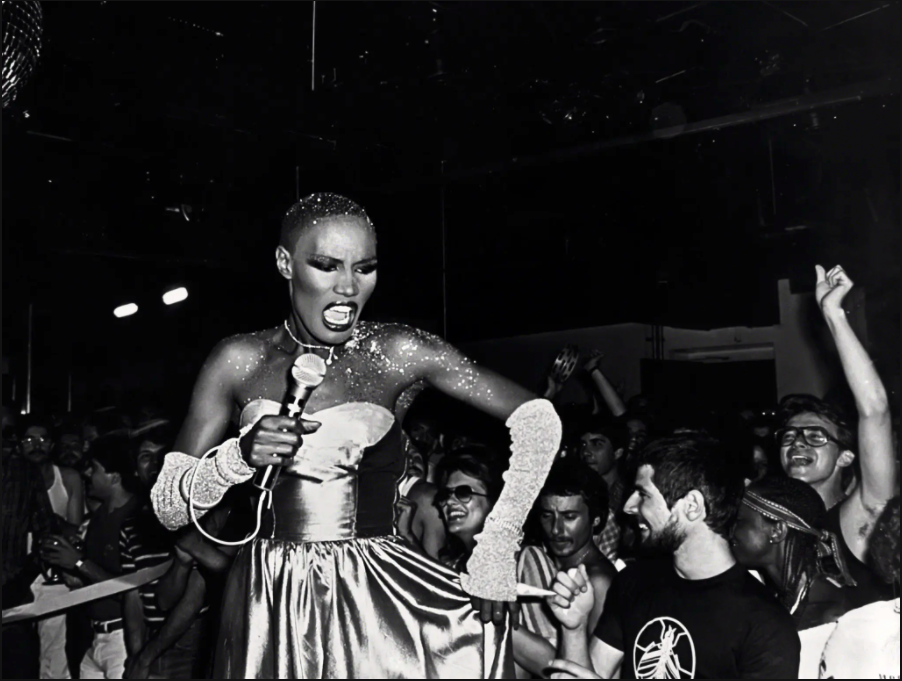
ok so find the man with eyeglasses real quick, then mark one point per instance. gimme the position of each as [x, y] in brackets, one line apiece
[66, 492]
[26, 510]
[817, 444]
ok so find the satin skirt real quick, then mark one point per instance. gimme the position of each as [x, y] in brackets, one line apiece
[350, 609]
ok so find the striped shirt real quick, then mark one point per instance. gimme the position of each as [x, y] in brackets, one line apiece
[535, 568]
[144, 543]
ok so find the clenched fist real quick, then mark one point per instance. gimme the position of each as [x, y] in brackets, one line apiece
[575, 598]
[274, 440]
[831, 288]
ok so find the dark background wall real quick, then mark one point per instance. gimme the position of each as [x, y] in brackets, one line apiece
[509, 153]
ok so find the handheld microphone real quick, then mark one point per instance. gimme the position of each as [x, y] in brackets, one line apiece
[308, 371]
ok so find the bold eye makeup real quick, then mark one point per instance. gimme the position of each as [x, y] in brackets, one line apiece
[327, 264]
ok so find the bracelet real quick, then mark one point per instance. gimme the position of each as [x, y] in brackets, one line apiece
[79, 563]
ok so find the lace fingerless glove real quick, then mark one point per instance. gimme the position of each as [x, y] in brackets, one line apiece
[536, 437]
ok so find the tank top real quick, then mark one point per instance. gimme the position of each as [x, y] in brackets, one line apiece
[59, 495]
[870, 588]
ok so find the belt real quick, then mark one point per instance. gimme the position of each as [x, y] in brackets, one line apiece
[107, 627]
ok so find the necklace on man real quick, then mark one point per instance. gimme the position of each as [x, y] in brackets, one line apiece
[330, 348]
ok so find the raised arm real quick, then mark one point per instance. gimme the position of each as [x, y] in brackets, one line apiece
[875, 439]
[607, 391]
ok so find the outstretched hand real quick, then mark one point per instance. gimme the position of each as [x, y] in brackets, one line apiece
[495, 611]
[593, 362]
[831, 288]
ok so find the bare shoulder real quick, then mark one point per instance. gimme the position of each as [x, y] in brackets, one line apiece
[401, 338]
[402, 345]
[422, 492]
[240, 355]
[601, 572]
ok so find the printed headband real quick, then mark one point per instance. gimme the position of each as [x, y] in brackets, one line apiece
[828, 550]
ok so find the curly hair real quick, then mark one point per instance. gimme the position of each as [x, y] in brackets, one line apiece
[884, 548]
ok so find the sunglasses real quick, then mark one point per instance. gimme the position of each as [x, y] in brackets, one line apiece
[463, 493]
[813, 436]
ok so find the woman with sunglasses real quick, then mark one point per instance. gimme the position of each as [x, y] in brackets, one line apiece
[469, 483]
[327, 588]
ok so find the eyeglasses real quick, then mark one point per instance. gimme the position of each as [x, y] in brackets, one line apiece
[813, 436]
[463, 493]
[34, 439]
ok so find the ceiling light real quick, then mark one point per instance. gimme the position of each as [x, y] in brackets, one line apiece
[125, 310]
[176, 295]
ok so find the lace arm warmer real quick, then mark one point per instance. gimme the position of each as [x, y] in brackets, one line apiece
[214, 477]
[536, 436]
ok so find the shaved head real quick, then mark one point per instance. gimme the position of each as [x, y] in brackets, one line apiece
[311, 209]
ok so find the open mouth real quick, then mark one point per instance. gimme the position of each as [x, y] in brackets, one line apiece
[339, 316]
[801, 460]
[456, 516]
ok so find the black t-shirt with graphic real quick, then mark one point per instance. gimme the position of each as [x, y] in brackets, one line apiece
[725, 627]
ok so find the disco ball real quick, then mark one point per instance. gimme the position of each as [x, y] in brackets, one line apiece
[23, 24]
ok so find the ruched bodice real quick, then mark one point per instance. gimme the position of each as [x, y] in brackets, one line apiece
[342, 483]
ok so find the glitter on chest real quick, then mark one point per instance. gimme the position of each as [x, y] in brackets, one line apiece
[380, 364]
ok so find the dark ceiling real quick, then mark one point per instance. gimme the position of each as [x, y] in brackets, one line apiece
[533, 148]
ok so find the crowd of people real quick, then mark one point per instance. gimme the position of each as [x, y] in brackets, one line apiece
[675, 547]
[76, 512]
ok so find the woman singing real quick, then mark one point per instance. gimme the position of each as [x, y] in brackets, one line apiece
[327, 590]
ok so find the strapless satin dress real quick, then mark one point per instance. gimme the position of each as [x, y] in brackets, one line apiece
[328, 591]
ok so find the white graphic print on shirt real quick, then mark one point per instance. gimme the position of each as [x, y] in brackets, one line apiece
[664, 649]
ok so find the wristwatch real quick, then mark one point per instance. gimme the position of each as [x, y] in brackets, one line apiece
[79, 563]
